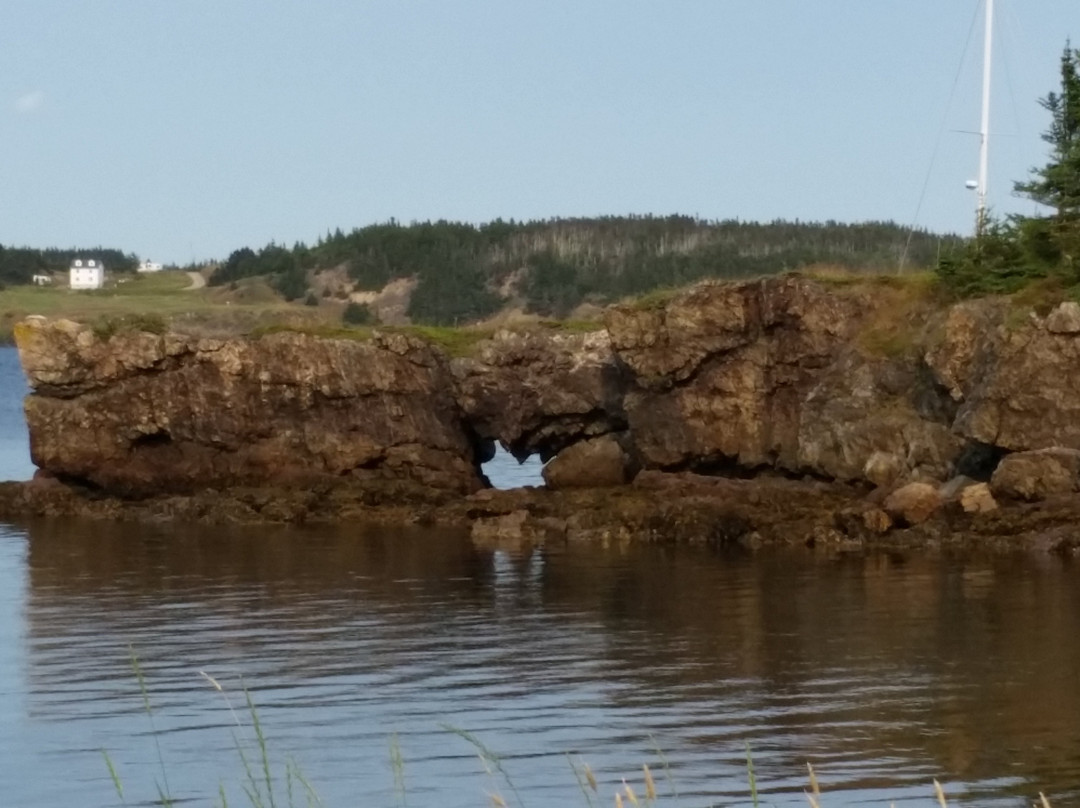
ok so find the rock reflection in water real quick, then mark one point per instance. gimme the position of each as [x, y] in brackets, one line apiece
[884, 671]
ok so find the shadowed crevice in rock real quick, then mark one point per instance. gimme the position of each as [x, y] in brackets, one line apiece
[731, 468]
[563, 431]
[978, 460]
[538, 393]
[159, 438]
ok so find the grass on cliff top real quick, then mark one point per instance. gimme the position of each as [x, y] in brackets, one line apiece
[656, 299]
[107, 325]
[1044, 294]
[455, 342]
[572, 326]
[895, 326]
[1038, 294]
[837, 278]
[903, 304]
[898, 305]
[158, 301]
[922, 281]
[160, 294]
[160, 297]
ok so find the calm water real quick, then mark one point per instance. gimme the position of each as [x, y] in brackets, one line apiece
[885, 672]
[14, 444]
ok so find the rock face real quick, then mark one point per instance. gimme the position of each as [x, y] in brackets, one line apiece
[776, 377]
[1065, 319]
[913, 503]
[140, 413]
[1017, 382]
[539, 393]
[1037, 475]
[977, 498]
[596, 463]
[765, 374]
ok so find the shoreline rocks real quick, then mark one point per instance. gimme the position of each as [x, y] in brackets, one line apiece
[680, 508]
[139, 414]
[900, 418]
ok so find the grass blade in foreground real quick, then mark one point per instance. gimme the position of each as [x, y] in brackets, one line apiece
[750, 774]
[117, 784]
[164, 794]
[486, 756]
[397, 764]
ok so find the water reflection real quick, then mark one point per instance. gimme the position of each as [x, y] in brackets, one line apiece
[883, 671]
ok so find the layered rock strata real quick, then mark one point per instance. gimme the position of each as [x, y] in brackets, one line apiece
[769, 375]
[539, 392]
[138, 413]
[784, 379]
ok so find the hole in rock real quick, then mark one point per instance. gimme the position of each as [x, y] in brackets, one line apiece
[161, 438]
[504, 471]
[978, 460]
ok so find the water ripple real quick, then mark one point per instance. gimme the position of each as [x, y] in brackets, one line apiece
[883, 676]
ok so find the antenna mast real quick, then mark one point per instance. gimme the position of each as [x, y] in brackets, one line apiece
[984, 129]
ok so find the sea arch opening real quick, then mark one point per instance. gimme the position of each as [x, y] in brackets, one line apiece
[504, 471]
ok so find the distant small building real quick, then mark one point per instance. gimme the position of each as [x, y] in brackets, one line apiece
[87, 273]
[42, 280]
[150, 266]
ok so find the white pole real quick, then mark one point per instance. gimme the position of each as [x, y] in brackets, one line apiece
[984, 129]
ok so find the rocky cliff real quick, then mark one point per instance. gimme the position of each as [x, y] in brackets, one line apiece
[137, 413]
[770, 375]
[870, 384]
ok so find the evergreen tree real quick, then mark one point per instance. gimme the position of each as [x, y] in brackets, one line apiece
[551, 286]
[240, 264]
[1057, 184]
[358, 314]
[1008, 255]
[291, 281]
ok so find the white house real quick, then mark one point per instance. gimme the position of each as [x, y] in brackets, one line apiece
[87, 273]
[150, 266]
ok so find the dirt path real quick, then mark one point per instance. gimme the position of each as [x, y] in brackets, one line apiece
[197, 281]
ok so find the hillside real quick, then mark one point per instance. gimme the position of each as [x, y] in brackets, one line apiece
[458, 273]
[446, 273]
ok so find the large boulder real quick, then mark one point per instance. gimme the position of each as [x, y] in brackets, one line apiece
[596, 463]
[139, 413]
[913, 503]
[1064, 319]
[977, 498]
[1037, 475]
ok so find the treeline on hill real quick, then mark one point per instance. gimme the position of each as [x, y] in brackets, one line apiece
[19, 265]
[1011, 253]
[555, 265]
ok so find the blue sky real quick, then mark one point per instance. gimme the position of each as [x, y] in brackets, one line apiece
[182, 130]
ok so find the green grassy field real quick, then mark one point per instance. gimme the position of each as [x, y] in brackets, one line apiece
[164, 294]
[249, 306]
